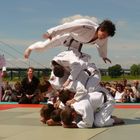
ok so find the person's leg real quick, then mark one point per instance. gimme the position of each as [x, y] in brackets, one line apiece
[103, 117]
[24, 100]
[54, 42]
[34, 100]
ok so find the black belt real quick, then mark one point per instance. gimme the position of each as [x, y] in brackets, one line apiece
[105, 97]
[91, 73]
[78, 118]
[87, 71]
[69, 43]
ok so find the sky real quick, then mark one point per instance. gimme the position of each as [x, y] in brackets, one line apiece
[23, 23]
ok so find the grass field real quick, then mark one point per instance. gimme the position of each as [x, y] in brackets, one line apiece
[128, 77]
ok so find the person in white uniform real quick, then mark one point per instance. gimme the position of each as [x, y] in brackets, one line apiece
[75, 34]
[76, 69]
[94, 110]
[2, 72]
[83, 108]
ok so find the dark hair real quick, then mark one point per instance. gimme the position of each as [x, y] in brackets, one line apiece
[66, 115]
[108, 26]
[58, 71]
[44, 86]
[55, 115]
[64, 96]
[46, 111]
[30, 68]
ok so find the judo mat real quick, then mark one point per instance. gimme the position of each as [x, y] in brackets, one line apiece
[20, 122]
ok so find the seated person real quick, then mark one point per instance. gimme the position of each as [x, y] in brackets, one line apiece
[47, 93]
[17, 92]
[30, 87]
[7, 92]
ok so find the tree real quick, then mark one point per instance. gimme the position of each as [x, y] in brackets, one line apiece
[115, 71]
[138, 69]
[135, 70]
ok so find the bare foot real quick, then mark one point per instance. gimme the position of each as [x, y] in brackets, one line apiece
[118, 121]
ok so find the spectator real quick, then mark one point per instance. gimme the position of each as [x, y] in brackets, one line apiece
[125, 96]
[47, 93]
[30, 88]
[132, 96]
[119, 92]
[7, 92]
[17, 92]
[136, 90]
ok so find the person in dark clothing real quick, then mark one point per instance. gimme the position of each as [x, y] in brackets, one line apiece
[30, 86]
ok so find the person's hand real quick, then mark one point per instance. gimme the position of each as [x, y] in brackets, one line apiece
[18, 96]
[50, 122]
[47, 36]
[27, 53]
[27, 95]
[42, 120]
[105, 59]
[67, 82]
[69, 102]
[56, 105]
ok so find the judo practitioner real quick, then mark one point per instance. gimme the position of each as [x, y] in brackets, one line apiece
[71, 68]
[94, 110]
[75, 34]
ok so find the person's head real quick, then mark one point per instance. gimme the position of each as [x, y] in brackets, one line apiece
[106, 29]
[55, 115]
[65, 95]
[119, 87]
[66, 116]
[58, 70]
[136, 83]
[30, 72]
[46, 111]
[44, 86]
[17, 85]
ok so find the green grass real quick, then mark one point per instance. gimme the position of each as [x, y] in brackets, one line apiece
[104, 78]
[128, 77]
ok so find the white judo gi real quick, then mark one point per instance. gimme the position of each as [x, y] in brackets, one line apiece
[102, 107]
[72, 35]
[95, 110]
[2, 66]
[101, 100]
[84, 108]
[77, 69]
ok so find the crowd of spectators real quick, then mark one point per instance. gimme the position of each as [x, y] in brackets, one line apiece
[30, 90]
[124, 91]
[33, 91]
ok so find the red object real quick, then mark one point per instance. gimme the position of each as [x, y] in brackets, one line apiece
[10, 106]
